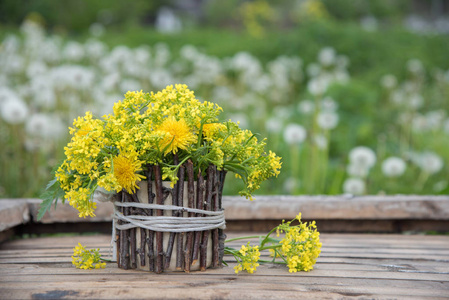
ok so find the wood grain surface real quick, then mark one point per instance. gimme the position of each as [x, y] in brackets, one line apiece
[351, 266]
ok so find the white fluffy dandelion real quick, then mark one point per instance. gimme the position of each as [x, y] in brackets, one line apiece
[318, 86]
[240, 118]
[321, 141]
[397, 97]
[393, 166]
[415, 101]
[446, 126]
[327, 56]
[38, 125]
[313, 70]
[73, 51]
[96, 29]
[273, 125]
[291, 184]
[388, 81]
[329, 104]
[354, 186]
[362, 156]
[14, 110]
[327, 120]
[415, 66]
[435, 118]
[430, 162]
[357, 170]
[306, 107]
[294, 134]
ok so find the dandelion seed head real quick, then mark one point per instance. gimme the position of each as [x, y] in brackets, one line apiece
[14, 110]
[393, 166]
[362, 156]
[327, 120]
[327, 56]
[294, 134]
[354, 186]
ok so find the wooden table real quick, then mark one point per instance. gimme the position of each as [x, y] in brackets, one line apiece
[350, 266]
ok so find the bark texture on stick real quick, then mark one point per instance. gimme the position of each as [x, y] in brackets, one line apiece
[207, 206]
[215, 207]
[159, 265]
[180, 236]
[117, 235]
[199, 204]
[151, 197]
[221, 234]
[132, 236]
[190, 204]
[124, 240]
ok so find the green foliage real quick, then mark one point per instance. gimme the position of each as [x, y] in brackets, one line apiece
[355, 9]
[77, 16]
[367, 117]
[372, 54]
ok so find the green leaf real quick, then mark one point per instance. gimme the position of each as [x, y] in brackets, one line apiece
[44, 206]
[50, 184]
[51, 194]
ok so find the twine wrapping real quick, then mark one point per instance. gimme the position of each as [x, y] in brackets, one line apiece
[211, 219]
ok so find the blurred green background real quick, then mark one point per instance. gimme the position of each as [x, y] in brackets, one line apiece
[353, 94]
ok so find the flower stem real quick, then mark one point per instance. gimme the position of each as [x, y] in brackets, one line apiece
[244, 237]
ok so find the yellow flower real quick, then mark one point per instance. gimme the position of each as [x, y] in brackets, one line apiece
[211, 130]
[248, 259]
[177, 135]
[125, 171]
[243, 250]
[87, 259]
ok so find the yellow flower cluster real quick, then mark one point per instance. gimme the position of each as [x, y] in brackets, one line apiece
[87, 259]
[249, 257]
[298, 249]
[300, 246]
[145, 129]
[257, 14]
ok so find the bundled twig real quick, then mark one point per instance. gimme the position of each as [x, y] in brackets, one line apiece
[124, 240]
[199, 204]
[151, 196]
[180, 236]
[190, 204]
[211, 170]
[159, 267]
[174, 198]
[191, 246]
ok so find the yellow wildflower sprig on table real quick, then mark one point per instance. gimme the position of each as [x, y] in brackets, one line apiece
[166, 128]
[247, 258]
[87, 259]
[299, 247]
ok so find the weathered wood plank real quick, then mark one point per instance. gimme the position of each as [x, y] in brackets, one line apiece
[341, 207]
[13, 212]
[243, 287]
[314, 292]
[323, 264]
[366, 266]
[65, 213]
[266, 270]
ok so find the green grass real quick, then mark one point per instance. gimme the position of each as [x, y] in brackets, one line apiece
[372, 54]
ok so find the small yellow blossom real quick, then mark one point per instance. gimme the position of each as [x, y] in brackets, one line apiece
[178, 135]
[87, 259]
[249, 257]
[125, 170]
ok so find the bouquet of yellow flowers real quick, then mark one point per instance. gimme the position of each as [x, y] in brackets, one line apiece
[166, 128]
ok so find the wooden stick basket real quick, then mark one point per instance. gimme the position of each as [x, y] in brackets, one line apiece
[160, 228]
